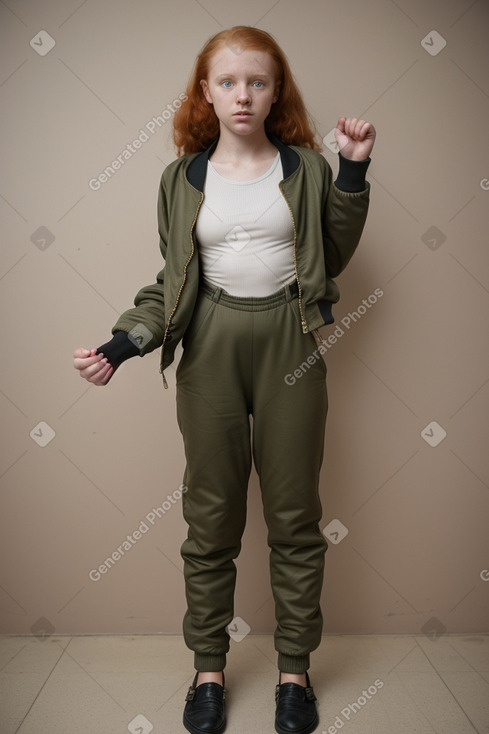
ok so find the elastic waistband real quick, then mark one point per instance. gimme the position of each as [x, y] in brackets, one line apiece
[251, 303]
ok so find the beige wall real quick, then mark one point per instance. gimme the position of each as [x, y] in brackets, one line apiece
[416, 514]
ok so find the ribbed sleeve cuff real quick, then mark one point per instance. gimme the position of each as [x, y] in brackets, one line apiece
[351, 175]
[119, 348]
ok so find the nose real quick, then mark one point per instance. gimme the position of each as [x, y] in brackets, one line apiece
[243, 95]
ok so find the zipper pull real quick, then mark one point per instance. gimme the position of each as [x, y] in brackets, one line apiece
[165, 384]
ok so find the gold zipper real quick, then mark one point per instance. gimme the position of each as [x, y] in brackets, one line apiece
[303, 320]
[192, 250]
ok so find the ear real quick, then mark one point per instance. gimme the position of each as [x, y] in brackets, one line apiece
[277, 92]
[205, 89]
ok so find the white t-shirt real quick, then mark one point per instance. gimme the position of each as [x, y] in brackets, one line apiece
[245, 234]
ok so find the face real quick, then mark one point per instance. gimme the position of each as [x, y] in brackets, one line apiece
[242, 88]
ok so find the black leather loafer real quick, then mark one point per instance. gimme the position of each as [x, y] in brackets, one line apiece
[204, 710]
[296, 711]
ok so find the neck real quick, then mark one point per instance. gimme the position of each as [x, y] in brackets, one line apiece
[242, 147]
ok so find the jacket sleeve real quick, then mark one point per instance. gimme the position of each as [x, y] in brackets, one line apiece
[344, 213]
[140, 330]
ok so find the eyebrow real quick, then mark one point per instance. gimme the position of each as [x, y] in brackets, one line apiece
[254, 76]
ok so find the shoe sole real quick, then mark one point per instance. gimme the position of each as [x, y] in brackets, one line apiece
[308, 730]
[197, 730]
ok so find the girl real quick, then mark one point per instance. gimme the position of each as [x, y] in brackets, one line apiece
[252, 230]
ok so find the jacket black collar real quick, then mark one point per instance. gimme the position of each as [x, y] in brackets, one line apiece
[197, 169]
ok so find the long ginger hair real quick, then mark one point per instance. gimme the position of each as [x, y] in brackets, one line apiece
[196, 125]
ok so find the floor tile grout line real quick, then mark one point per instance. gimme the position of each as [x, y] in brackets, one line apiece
[479, 673]
[414, 703]
[273, 663]
[446, 686]
[65, 650]
[42, 688]
[403, 657]
[391, 676]
[184, 686]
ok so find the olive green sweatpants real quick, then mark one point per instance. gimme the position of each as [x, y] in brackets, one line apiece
[238, 359]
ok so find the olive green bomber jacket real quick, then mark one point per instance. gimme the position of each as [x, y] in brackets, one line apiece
[328, 220]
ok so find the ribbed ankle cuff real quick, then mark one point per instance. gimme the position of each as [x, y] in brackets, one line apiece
[296, 664]
[209, 663]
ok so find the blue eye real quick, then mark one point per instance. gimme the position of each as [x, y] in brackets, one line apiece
[258, 82]
[225, 83]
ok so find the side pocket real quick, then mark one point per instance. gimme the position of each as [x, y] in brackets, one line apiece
[199, 317]
[294, 306]
[312, 339]
[318, 341]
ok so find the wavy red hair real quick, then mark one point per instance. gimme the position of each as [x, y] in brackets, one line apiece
[196, 125]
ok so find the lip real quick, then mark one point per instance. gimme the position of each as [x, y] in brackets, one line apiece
[242, 114]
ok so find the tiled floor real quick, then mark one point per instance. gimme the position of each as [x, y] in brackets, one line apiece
[368, 684]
